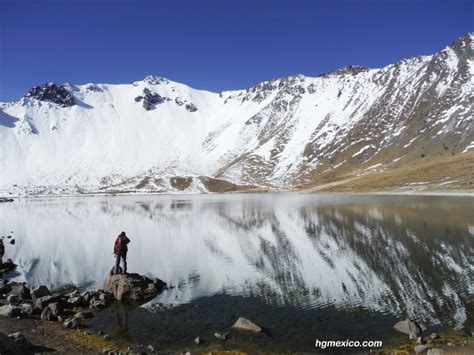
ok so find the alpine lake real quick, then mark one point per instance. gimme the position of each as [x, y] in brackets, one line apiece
[302, 266]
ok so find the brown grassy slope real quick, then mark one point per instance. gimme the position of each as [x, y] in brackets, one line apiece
[453, 173]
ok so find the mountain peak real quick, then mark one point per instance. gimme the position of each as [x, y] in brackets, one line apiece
[52, 93]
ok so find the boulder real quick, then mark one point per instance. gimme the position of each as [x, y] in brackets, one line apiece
[7, 266]
[75, 301]
[43, 302]
[27, 309]
[4, 286]
[14, 299]
[83, 315]
[419, 349]
[408, 327]
[19, 289]
[39, 292]
[221, 336]
[132, 286]
[247, 325]
[47, 314]
[10, 311]
[55, 308]
[71, 323]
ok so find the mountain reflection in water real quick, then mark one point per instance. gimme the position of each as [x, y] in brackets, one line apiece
[398, 255]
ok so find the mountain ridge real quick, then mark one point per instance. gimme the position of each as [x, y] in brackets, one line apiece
[278, 134]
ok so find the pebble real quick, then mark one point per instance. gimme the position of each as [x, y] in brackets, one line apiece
[434, 336]
[151, 348]
[106, 337]
[419, 349]
[197, 341]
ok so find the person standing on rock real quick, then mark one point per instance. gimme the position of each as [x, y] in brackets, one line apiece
[120, 251]
[2, 252]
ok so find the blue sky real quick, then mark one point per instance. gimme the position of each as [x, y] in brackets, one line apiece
[214, 45]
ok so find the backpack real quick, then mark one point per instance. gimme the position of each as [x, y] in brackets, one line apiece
[120, 247]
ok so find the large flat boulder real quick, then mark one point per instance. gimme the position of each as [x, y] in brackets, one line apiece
[132, 286]
[247, 325]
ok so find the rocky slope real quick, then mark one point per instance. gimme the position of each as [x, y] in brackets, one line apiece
[157, 135]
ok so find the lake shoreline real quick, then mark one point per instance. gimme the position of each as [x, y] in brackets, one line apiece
[52, 336]
[467, 193]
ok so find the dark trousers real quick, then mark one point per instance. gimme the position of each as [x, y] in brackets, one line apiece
[117, 262]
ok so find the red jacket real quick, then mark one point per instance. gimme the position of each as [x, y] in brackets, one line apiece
[120, 246]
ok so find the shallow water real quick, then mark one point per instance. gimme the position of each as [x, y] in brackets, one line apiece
[302, 266]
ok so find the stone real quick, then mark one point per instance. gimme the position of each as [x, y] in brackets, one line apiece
[55, 308]
[434, 351]
[98, 304]
[86, 296]
[4, 286]
[197, 340]
[47, 314]
[132, 286]
[43, 302]
[75, 301]
[106, 337]
[10, 311]
[419, 340]
[39, 292]
[71, 323]
[19, 289]
[151, 348]
[27, 309]
[408, 327]
[7, 266]
[419, 349]
[422, 326]
[14, 299]
[191, 107]
[221, 336]
[84, 314]
[107, 350]
[247, 325]
[434, 336]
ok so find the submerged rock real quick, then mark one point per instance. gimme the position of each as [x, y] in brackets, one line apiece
[221, 336]
[247, 325]
[408, 327]
[132, 286]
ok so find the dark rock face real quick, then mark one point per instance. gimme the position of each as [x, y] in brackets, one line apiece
[150, 99]
[348, 69]
[7, 266]
[132, 286]
[39, 292]
[52, 93]
[191, 107]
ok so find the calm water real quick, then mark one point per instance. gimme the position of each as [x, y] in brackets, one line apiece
[302, 266]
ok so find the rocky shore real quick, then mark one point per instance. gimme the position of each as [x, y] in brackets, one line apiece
[39, 308]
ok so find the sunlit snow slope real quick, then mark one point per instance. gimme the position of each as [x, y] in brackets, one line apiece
[158, 135]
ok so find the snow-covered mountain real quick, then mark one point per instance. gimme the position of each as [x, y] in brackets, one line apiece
[158, 135]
